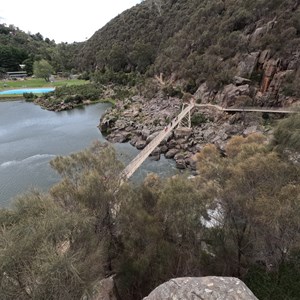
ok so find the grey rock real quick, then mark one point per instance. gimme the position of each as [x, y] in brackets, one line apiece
[203, 94]
[192, 162]
[205, 288]
[155, 152]
[121, 124]
[181, 164]
[145, 134]
[247, 64]
[231, 92]
[134, 140]
[140, 144]
[164, 148]
[241, 80]
[172, 144]
[171, 153]
[120, 138]
[249, 130]
[151, 137]
[207, 134]
[179, 156]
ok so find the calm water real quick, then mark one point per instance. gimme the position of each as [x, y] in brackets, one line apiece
[22, 91]
[30, 137]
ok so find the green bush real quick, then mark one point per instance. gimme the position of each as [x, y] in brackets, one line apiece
[29, 96]
[198, 119]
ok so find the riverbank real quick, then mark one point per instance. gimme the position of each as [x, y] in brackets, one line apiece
[61, 106]
[5, 98]
[70, 97]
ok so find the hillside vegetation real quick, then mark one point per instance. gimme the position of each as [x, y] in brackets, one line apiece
[18, 47]
[239, 217]
[210, 41]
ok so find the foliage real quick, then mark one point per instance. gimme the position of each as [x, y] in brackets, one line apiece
[194, 41]
[238, 217]
[292, 85]
[259, 198]
[118, 78]
[42, 69]
[76, 93]
[45, 250]
[287, 134]
[171, 91]
[275, 285]
[168, 242]
[67, 241]
[18, 47]
[198, 119]
[11, 58]
[29, 96]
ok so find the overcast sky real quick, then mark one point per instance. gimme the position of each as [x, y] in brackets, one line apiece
[62, 20]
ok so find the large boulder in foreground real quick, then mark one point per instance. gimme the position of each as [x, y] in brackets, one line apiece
[206, 288]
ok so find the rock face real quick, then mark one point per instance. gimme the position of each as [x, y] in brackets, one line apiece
[205, 288]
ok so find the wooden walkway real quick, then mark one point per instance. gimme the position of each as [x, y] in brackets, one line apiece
[249, 109]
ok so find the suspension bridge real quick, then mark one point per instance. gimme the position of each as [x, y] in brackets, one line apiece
[184, 120]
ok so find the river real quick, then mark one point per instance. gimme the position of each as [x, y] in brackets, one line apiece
[30, 137]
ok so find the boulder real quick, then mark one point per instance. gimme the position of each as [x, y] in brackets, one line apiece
[208, 288]
[179, 155]
[164, 149]
[155, 152]
[140, 144]
[134, 140]
[151, 137]
[227, 97]
[145, 134]
[171, 153]
[192, 162]
[180, 164]
[203, 94]
[120, 138]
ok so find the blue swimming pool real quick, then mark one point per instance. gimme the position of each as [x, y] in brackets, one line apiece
[22, 91]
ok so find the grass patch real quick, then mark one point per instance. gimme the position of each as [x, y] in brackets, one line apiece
[37, 82]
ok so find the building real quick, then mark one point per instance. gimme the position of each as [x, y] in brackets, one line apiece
[17, 74]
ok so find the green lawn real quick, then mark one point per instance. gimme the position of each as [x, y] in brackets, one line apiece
[37, 82]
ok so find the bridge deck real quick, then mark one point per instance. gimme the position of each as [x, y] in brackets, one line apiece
[249, 109]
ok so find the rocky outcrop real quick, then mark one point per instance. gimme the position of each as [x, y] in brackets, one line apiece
[206, 288]
[247, 64]
[182, 144]
[231, 93]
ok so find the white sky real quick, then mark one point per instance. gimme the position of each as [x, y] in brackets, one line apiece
[62, 20]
